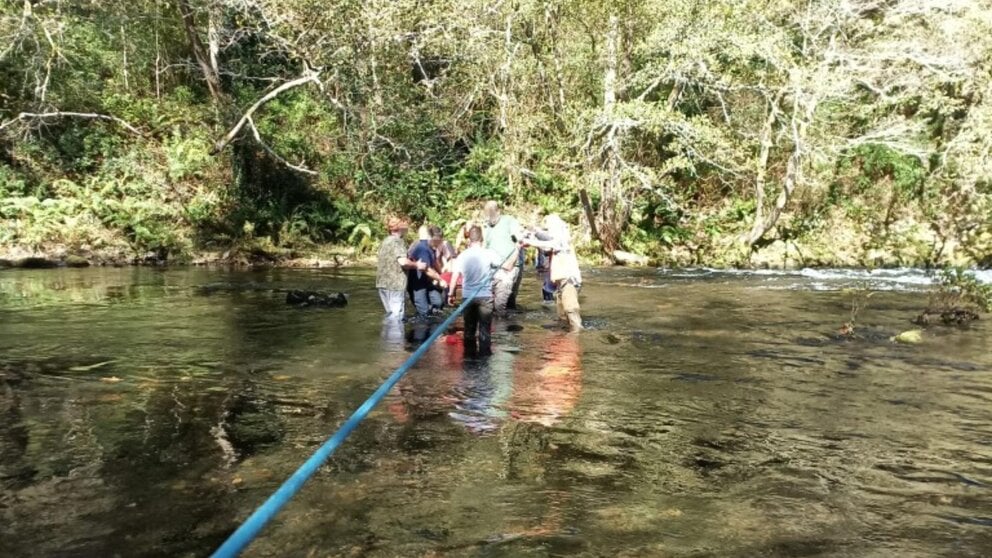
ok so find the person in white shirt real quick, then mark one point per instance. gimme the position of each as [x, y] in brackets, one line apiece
[475, 265]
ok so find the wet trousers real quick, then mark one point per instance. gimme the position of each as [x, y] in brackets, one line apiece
[478, 324]
[567, 301]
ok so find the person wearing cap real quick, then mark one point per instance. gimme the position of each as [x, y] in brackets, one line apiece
[391, 267]
[565, 273]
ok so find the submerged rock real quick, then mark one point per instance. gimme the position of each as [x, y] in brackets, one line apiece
[76, 261]
[251, 422]
[313, 298]
[950, 317]
[911, 337]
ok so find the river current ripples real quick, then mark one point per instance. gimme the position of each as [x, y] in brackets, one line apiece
[702, 413]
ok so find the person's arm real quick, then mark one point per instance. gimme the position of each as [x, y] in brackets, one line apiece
[517, 233]
[456, 273]
[403, 258]
[438, 258]
[494, 260]
[435, 276]
[548, 245]
[407, 263]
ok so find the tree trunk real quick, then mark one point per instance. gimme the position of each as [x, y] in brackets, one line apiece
[551, 17]
[590, 214]
[127, 84]
[793, 168]
[158, 66]
[199, 53]
[213, 39]
[610, 211]
[761, 171]
[610, 76]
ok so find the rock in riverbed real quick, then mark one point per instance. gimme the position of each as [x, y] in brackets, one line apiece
[947, 316]
[76, 261]
[313, 298]
[911, 337]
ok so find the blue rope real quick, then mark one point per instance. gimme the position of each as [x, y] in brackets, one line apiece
[252, 526]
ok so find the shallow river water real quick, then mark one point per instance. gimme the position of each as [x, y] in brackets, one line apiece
[146, 413]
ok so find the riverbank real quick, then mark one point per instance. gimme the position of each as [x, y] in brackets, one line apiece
[330, 256]
[838, 241]
[780, 255]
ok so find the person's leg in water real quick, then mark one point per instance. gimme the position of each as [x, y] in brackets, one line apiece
[503, 289]
[421, 301]
[511, 302]
[548, 290]
[567, 298]
[471, 326]
[384, 299]
[436, 300]
[394, 302]
[544, 275]
[485, 326]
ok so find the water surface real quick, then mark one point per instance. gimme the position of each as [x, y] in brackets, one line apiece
[146, 413]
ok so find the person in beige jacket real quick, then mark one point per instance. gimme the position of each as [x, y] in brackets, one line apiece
[565, 274]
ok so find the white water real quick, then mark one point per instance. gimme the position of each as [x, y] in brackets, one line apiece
[896, 279]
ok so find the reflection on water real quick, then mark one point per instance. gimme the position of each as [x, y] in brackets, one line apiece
[147, 412]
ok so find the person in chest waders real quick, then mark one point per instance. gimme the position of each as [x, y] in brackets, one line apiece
[499, 235]
[565, 273]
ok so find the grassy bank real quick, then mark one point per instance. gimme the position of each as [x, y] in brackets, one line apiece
[72, 230]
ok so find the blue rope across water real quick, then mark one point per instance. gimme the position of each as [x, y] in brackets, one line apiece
[252, 526]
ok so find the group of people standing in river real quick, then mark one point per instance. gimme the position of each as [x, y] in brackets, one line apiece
[486, 264]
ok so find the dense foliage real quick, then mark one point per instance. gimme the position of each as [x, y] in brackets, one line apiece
[694, 131]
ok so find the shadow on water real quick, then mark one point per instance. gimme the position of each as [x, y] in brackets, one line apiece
[147, 412]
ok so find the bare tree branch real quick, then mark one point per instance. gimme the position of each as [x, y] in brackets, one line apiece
[270, 151]
[24, 116]
[222, 143]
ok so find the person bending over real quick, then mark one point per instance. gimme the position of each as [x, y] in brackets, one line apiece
[565, 273]
[426, 298]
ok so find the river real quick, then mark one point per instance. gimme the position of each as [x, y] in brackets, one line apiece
[147, 412]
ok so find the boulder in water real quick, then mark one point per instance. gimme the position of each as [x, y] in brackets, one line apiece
[76, 261]
[313, 298]
[948, 316]
[628, 258]
[911, 337]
